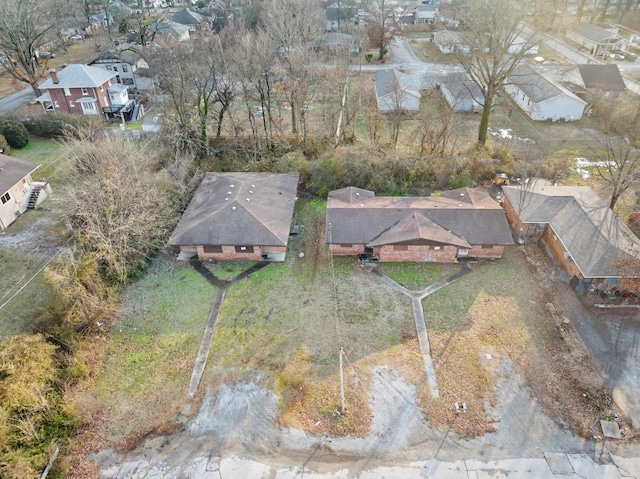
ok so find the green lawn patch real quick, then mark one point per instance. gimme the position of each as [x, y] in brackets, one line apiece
[19, 314]
[147, 366]
[49, 154]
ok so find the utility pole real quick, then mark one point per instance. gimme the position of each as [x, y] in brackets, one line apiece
[341, 384]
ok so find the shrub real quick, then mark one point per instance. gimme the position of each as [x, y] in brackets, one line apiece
[4, 145]
[14, 132]
[49, 126]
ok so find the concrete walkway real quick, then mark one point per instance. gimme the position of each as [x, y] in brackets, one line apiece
[207, 337]
[551, 466]
[418, 315]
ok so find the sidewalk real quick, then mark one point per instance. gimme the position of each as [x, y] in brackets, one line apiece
[556, 465]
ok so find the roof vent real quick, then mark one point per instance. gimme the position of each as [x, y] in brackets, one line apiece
[228, 192]
[361, 204]
[248, 199]
[357, 194]
[231, 186]
[461, 194]
[226, 199]
[233, 208]
[250, 192]
[460, 206]
[253, 186]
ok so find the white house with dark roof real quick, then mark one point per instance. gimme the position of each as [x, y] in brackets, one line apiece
[461, 93]
[244, 216]
[542, 99]
[426, 14]
[18, 191]
[449, 42]
[462, 223]
[396, 92]
[592, 38]
[580, 231]
[123, 62]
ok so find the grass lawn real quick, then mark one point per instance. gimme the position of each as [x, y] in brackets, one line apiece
[19, 314]
[49, 154]
[147, 364]
[288, 321]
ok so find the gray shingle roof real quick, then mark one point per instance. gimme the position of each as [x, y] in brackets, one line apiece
[188, 17]
[536, 87]
[462, 87]
[79, 76]
[593, 33]
[591, 233]
[12, 170]
[603, 77]
[239, 209]
[460, 217]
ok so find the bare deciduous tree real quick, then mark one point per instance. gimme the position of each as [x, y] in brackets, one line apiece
[122, 203]
[497, 43]
[24, 25]
[383, 25]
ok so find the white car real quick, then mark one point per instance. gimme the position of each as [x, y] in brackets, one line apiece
[77, 37]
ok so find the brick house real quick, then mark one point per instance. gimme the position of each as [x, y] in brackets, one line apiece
[77, 89]
[462, 223]
[576, 227]
[244, 216]
[18, 191]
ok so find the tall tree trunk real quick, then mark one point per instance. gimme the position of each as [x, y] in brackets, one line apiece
[483, 129]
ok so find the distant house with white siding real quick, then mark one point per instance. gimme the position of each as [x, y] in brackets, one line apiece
[542, 99]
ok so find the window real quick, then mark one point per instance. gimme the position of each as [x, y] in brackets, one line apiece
[487, 246]
[124, 69]
[244, 249]
[400, 247]
[71, 104]
[67, 92]
[115, 68]
[346, 245]
[463, 252]
[212, 248]
[84, 91]
[106, 100]
[118, 78]
[109, 67]
[101, 88]
[5, 198]
[56, 104]
[437, 247]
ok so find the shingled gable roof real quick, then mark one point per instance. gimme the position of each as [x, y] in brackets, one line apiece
[590, 232]
[79, 76]
[12, 170]
[462, 215]
[592, 32]
[415, 227]
[239, 209]
[603, 77]
[536, 86]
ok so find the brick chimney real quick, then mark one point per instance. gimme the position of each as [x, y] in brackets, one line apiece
[54, 76]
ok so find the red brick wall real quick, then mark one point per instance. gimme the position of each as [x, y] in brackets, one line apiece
[354, 249]
[229, 252]
[512, 216]
[422, 253]
[57, 94]
[558, 250]
[419, 253]
[495, 252]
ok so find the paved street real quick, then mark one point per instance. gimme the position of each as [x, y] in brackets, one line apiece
[12, 102]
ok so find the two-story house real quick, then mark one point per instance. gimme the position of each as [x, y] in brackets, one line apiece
[124, 63]
[77, 89]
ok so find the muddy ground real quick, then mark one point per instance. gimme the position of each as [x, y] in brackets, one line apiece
[547, 403]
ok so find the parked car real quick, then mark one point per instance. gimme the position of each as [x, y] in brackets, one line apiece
[77, 37]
